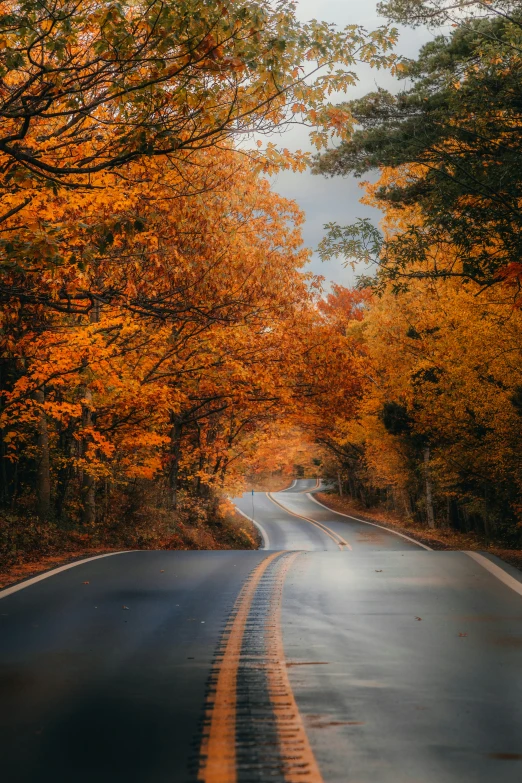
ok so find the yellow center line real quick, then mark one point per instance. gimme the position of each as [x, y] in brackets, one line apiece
[219, 756]
[341, 543]
[218, 748]
[299, 763]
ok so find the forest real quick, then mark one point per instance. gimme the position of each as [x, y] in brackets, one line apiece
[162, 344]
[438, 429]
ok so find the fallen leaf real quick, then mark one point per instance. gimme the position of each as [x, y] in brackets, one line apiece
[86, 583]
[379, 571]
[463, 634]
[418, 618]
[124, 607]
[506, 756]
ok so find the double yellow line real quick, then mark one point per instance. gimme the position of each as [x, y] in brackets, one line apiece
[336, 538]
[218, 748]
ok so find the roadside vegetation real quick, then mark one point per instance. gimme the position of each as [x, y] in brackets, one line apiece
[441, 537]
[436, 439]
[151, 284]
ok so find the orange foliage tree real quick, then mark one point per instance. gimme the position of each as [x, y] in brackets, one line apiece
[155, 320]
[434, 431]
[124, 392]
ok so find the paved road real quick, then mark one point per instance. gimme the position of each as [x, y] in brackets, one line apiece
[368, 660]
[293, 519]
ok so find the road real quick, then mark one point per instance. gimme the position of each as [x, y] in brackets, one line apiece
[340, 653]
[280, 515]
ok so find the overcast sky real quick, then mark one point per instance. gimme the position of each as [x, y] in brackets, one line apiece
[326, 200]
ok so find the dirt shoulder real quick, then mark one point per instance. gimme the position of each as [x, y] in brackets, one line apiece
[22, 571]
[440, 538]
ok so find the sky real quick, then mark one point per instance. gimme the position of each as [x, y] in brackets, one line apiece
[337, 199]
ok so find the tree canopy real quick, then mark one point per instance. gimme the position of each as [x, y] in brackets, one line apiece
[454, 135]
[156, 325]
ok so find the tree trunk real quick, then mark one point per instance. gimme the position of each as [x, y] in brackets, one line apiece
[487, 525]
[429, 494]
[340, 483]
[89, 499]
[175, 447]
[94, 315]
[66, 446]
[4, 478]
[197, 479]
[14, 494]
[351, 487]
[43, 482]
[88, 481]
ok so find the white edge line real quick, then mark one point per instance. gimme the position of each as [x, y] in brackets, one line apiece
[29, 582]
[373, 524]
[494, 569]
[264, 534]
[299, 492]
[294, 482]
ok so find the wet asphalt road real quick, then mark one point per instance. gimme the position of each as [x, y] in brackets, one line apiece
[285, 531]
[90, 691]
[405, 664]
[420, 673]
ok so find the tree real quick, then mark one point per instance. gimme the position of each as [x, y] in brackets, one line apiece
[435, 425]
[454, 140]
[439, 12]
[90, 86]
[151, 283]
[179, 379]
[98, 97]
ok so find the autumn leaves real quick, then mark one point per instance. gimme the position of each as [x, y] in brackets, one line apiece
[155, 321]
[157, 329]
[437, 433]
[184, 357]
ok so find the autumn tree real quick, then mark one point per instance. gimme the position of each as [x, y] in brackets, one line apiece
[150, 280]
[456, 134]
[135, 79]
[447, 367]
[127, 393]
[433, 430]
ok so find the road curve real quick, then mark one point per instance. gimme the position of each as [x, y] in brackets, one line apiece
[282, 530]
[309, 663]
[293, 519]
